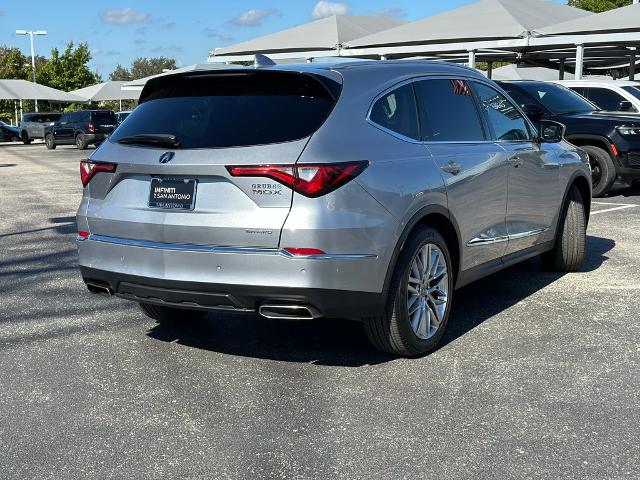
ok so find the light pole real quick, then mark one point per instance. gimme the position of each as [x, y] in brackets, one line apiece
[31, 33]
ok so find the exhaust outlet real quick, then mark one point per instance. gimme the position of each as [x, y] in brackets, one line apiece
[288, 312]
[99, 288]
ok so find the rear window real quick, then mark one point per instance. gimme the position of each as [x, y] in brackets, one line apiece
[104, 118]
[232, 109]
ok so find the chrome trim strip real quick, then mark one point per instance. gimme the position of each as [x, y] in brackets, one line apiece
[222, 249]
[474, 242]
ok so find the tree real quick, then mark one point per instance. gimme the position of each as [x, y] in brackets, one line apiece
[599, 5]
[120, 73]
[144, 67]
[13, 64]
[69, 70]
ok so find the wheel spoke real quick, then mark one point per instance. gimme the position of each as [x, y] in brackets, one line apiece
[436, 312]
[413, 304]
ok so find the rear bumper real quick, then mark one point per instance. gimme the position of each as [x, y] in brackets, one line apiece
[234, 298]
[223, 278]
[95, 137]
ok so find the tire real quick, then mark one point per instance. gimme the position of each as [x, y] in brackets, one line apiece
[394, 331]
[14, 139]
[81, 142]
[160, 313]
[603, 171]
[569, 249]
[25, 138]
[50, 142]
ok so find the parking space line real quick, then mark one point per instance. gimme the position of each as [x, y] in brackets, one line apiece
[610, 203]
[613, 209]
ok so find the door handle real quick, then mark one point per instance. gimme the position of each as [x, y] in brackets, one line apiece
[452, 168]
[516, 161]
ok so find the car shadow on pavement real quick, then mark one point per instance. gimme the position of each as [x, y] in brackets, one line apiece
[485, 298]
[343, 342]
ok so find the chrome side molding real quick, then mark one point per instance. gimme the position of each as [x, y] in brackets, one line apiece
[474, 242]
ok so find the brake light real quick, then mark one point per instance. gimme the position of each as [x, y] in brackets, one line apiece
[92, 128]
[88, 169]
[310, 180]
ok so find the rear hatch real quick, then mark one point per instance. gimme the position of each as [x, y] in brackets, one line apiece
[103, 121]
[172, 182]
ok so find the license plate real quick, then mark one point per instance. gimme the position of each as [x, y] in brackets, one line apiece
[172, 193]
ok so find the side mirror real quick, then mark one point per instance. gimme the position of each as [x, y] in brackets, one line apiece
[625, 106]
[533, 111]
[551, 132]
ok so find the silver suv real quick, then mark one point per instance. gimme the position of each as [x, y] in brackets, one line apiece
[362, 190]
[32, 125]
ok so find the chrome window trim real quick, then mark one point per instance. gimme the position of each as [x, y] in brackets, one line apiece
[183, 247]
[474, 242]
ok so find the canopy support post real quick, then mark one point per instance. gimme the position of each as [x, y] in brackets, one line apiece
[383, 57]
[21, 109]
[561, 69]
[120, 104]
[489, 70]
[15, 111]
[472, 59]
[579, 61]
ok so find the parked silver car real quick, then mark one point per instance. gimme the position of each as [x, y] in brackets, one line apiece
[32, 125]
[363, 190]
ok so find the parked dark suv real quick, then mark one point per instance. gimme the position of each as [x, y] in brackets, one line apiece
[611, 139]
[82, 128]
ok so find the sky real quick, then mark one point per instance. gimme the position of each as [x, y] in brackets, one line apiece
[118, 32]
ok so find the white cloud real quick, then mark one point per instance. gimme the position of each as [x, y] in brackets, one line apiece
[125, 16]
[392, 12]
[253, 17]
[217, 34]
[324, 8]
[96, 51]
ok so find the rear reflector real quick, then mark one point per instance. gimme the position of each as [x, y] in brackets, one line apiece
[88, 169]
[303, 252]
[83, 234]
[310, 180]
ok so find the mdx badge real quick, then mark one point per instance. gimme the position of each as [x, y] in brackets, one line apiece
[166, 157]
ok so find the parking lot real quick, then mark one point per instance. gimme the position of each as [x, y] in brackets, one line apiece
[538, 375]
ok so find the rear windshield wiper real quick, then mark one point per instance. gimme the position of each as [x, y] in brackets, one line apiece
[155, 139]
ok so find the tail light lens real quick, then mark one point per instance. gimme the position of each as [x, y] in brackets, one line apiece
[92, 128]
[88, 169]
[310, 180]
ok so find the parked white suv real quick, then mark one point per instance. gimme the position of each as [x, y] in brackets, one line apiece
[609, 95]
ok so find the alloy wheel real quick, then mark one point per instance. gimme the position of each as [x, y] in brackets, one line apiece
[596, 171]
[427, 291]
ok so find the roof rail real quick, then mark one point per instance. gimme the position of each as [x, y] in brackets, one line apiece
[262, 61]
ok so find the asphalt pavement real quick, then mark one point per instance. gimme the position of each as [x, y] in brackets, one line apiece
[538, 375]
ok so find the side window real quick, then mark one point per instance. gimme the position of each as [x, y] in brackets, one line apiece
[448, 111]
[396, 111]
[605, 99]
[507, 122]
[580, 90]
[64, 119]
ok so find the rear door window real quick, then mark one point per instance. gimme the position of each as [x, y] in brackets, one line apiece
[507, 122]
[448, 111]
[605, 99]
[396, 111]
[232, 109]
[104, 118]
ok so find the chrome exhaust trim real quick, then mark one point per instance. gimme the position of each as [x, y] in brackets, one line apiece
[288, 312]
[99, 288]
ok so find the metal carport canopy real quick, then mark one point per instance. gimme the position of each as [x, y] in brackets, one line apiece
[25, 90]
[111, 90]
[317, 38]
[487, 24]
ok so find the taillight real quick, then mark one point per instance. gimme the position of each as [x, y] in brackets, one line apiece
[303, 252]
[88, 169]
[310, 180]
[92, 128]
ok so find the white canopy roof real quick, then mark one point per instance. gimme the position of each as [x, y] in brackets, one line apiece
[324, 34]
[25, 90]
[622, 19]
[111, 90]
[483, 20]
